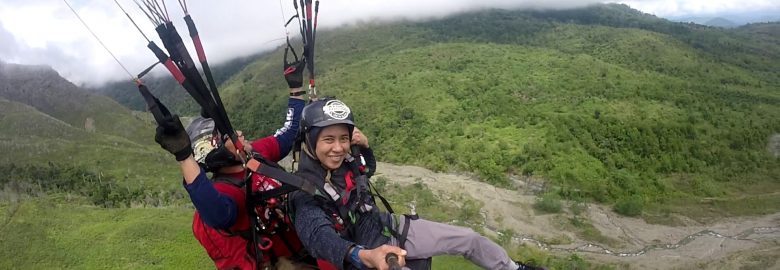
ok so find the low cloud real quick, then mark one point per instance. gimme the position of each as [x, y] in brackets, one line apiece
[8, 46]
[46, 32]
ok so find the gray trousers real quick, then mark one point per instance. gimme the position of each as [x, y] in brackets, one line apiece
[427, 239]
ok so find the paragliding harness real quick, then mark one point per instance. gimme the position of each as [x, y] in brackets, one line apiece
[274, 232]
[359, 197]
[183, 69]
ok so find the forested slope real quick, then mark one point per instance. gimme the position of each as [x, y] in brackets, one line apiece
[604, 102]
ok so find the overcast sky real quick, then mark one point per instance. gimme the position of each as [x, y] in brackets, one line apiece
[46, 32]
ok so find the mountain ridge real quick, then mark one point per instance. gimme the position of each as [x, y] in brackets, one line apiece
[605, 102]
[42, 88]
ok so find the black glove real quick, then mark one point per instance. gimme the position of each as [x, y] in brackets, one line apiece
[172, 137]
[293, 73]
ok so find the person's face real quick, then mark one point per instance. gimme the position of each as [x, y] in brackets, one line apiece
[332, 146]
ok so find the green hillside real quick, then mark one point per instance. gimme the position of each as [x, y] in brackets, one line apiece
[88, 200]
[30, 137]
[604, 102]
[43, 89]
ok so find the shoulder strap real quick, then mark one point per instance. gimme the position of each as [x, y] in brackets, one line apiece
[353, 163]
[265, 161]
[382, 198]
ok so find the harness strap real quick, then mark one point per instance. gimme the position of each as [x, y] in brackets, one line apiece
[401, 237]
[382, 198]
[405, 232]
[280, 175]
[357, 167]
[350, 183]
[253, 222]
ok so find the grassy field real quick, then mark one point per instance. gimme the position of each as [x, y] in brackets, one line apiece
[57, 232]
[63, 231]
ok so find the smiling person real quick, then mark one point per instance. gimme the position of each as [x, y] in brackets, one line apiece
[345, 227]
[222, 221]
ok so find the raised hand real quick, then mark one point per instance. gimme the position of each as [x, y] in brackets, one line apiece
[172, 137]
[293, 73]
[358, 138]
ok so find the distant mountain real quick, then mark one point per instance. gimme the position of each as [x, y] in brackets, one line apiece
[43, 89]
[720, 22]
[710, 21]
[735, 18]
[605, 102]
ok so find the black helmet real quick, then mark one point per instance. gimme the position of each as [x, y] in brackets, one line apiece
[323, 113]
[209, 146]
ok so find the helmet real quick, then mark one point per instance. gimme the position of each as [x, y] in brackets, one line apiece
[323, 113]
[203, 137]
[208, 146]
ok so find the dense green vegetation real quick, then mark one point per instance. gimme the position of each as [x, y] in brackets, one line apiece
[100, 190]
[605, 102]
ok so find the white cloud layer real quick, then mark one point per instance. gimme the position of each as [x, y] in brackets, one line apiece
[47, 32]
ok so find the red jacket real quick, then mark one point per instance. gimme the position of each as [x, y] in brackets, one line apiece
[228, 248]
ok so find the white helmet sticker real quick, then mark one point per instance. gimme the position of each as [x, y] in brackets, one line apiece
[201, 148]
[336, 109]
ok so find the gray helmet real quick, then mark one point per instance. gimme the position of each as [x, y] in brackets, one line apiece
[323, 113]
[203, 138]
[208, 146]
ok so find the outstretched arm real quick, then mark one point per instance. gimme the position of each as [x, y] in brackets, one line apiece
[218, 210]
[277, 146]
[321, 240]
[285, 136]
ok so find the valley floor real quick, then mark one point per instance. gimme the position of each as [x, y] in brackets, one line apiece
[606, 237]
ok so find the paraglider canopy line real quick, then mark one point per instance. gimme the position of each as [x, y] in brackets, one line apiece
[98, 39]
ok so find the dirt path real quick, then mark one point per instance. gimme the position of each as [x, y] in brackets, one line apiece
[727, 244]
